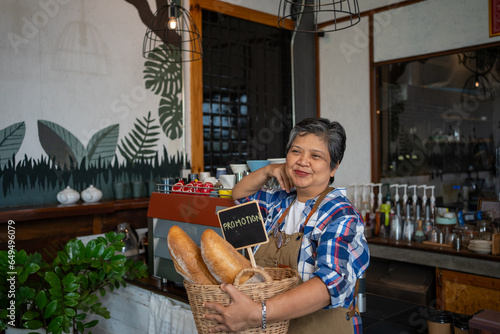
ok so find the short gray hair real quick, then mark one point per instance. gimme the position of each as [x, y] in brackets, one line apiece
[331, 132]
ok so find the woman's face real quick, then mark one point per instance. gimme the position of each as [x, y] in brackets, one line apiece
[308, 166]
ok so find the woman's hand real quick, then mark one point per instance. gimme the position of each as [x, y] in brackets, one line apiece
[254, 181]
[279, 172]
[240, 314]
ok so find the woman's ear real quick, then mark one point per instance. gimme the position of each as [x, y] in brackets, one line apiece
[334, 170]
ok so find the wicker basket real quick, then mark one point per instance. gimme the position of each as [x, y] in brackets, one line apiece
[277, 281]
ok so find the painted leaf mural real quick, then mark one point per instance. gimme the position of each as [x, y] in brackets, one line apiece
[163, 74]
[141, 141]
[103, 145]
[170, 113]
[60, 145]
[11, 139]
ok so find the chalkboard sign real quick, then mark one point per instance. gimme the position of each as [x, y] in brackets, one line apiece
[242, 225]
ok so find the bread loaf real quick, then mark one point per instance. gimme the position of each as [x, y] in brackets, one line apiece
[187, 257]
[222, 259]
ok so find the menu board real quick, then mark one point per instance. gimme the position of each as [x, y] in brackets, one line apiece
[242, 225]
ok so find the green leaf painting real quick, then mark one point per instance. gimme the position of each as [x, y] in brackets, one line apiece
[67, 151]
[141, 141]
[163, 74]
[60, 144]
[11, 139]
[170, 113]
[103, 145]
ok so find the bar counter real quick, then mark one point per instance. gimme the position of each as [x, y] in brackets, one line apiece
[443, 257]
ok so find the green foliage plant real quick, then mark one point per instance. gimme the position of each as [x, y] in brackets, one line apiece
[58, 296]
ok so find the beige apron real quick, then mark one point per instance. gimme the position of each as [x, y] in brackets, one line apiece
[337, 320]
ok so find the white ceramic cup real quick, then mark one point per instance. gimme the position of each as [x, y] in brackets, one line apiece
[203, 176]
[211, 179]
[228, 180]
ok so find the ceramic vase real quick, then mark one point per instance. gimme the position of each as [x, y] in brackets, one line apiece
[68, 196]
[91, 194]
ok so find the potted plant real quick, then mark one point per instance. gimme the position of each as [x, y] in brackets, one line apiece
[57, 296]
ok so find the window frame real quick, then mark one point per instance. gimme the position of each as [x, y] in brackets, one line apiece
[196, 67]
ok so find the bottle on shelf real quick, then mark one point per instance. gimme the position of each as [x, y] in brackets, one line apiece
[366, 210]
[414, 199]
[385, 220]
[428, 223]
[370, 216]
[408, 223]
[396, 194]
[377, 210]
[419, 235]
[396, 223]
[417, 221]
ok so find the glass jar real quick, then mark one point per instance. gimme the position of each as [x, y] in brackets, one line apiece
[130, 241]
[483, 226]
[439, 322]
[447, 231]
[469, 233]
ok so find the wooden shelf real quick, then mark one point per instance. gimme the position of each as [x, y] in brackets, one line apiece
[45, 228]
[35, 212]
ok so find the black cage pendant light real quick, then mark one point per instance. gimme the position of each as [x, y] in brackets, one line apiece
[173, 30]
[335, 14]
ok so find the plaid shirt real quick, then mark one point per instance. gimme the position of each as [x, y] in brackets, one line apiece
[333, 247]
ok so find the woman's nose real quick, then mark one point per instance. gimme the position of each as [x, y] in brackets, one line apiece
[303, 160]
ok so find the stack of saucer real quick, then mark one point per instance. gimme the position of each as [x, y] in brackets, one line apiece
[480, 246]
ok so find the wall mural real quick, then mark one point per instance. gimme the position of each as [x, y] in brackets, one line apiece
[68, 162]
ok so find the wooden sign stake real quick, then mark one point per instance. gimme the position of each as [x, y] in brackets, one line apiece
[250, 255]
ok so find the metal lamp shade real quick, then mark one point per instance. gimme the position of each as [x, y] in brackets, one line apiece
[182, 43]
[333, 14]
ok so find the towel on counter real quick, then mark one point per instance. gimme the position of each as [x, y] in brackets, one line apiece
[167, 316]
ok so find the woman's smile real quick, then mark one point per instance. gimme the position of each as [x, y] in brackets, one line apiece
[300, 173]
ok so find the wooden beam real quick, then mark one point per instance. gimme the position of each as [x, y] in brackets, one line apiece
[244, 13]
[196, 93]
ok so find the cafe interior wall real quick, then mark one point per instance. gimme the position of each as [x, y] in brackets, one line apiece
[424, 27]
[74, 87]
[44, 84]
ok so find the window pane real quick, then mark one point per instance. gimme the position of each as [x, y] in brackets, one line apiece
[246, 90]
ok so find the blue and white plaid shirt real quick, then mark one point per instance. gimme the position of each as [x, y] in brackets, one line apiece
[333, 247]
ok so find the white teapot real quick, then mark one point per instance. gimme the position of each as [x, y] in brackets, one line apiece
[91, 194]
[68, 196]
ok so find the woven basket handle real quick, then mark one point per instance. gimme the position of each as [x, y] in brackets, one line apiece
[254, 270]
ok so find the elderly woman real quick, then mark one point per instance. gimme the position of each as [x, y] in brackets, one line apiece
[313, 228]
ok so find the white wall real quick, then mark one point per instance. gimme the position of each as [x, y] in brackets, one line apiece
[77, 63]
[425, 27]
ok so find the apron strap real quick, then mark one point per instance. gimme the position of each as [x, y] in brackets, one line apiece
[352, 309]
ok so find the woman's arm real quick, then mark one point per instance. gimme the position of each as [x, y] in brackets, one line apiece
[254, 181]
[243, 312]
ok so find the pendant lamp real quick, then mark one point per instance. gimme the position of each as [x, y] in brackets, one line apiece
[334, 15]
[173, 29]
